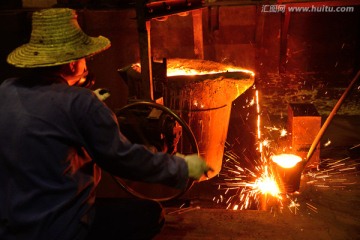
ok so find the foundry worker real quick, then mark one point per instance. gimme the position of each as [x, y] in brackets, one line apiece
[54, 136]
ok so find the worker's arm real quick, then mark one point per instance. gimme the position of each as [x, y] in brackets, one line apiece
[112, 151]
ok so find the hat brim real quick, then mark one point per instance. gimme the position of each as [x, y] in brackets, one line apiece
[32, 56]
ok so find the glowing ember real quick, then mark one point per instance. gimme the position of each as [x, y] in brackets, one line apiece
[327, 143]
[294, 206]
[335, 173]
[283, 132]
[265, 142]
[286, 160]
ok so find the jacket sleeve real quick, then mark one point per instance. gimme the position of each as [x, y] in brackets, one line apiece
[113, 152]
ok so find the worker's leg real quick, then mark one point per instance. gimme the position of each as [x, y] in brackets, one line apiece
[126, 219]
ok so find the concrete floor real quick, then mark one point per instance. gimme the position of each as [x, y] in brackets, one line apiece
[322, 213]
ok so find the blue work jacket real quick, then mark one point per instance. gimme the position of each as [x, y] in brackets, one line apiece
[53, 139]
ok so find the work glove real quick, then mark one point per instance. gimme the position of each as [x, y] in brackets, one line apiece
[196, 165]
[102, 93]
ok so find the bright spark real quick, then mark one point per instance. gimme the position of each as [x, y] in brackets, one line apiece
[244, 188]
[252, 102]
[266, 184]
[266, 143]
[294, 206]
[327, 143]
[283, 132]
[334, 173]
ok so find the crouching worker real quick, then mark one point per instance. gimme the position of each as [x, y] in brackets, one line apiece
[55, 136]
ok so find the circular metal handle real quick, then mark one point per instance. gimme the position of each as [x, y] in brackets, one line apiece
[155, 191]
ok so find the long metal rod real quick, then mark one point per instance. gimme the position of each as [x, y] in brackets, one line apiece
[329, 118]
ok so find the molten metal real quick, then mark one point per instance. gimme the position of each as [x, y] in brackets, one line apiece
[181, 67]
[183, 72]
[286, 160]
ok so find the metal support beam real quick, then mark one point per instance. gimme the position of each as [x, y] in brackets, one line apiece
[285, 21]
[143, 25]
[213, 18]
[198, 33]
[259, 32]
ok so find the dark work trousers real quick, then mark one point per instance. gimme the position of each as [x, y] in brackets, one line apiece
[126, 219]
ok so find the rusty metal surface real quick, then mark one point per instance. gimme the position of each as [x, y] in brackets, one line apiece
[304, 123]
[204, 102]
[203, 99]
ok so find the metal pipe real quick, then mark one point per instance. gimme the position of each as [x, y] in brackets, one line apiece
[329, 118]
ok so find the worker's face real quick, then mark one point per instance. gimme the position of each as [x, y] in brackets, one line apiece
[78, 71]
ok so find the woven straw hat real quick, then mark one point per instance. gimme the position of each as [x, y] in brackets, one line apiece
[56, 39]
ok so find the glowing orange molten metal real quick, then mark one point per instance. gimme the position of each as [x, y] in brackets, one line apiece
[286, 160]
[187, 67]
[183, 71]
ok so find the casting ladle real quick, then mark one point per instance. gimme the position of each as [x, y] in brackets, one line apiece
[328, 120]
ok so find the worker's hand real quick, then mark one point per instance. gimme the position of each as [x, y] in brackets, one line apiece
[196, 165]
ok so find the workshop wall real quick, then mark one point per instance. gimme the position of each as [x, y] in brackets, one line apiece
[322, 56]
